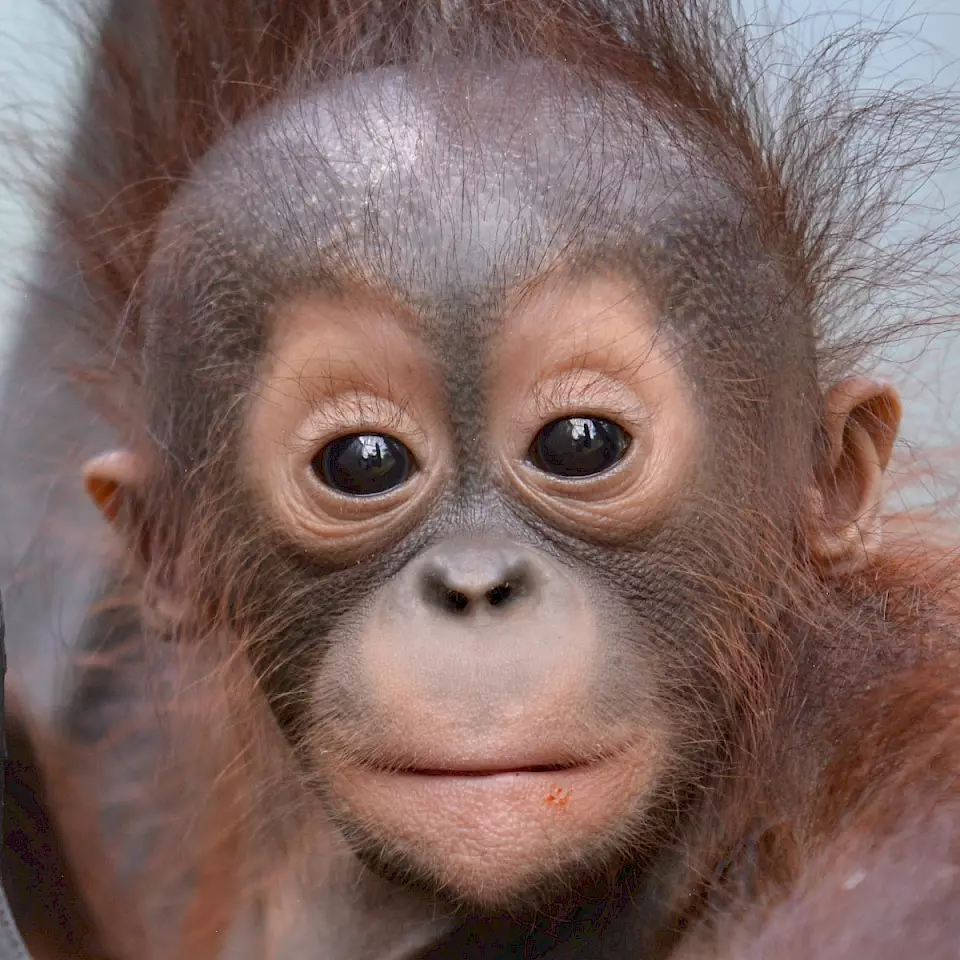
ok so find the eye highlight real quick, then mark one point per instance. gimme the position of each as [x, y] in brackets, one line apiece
[364, 464]
[579, 447]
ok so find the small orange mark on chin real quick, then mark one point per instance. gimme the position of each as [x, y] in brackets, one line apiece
[557, 797]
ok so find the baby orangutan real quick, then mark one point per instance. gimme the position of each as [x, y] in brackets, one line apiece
[500, 567]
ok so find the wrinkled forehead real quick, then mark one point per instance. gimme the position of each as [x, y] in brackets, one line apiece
[449, 181]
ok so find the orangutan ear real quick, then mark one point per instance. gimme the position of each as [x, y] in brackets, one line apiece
[115, 483]
[860, 424]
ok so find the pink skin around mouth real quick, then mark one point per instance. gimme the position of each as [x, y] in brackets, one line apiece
[498, 817]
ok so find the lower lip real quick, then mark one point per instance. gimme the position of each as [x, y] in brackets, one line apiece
[489, 806]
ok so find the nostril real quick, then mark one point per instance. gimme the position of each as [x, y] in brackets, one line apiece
[440, 594]
[456, 600]
[500, 594]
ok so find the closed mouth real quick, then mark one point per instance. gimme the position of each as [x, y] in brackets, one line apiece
[487, 772]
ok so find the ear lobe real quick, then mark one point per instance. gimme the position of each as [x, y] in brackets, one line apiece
[114, 481]
[860, 425]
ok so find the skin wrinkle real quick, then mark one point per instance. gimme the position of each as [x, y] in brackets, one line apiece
[339, 169]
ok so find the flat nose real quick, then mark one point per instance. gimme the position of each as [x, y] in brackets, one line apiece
[463, 577]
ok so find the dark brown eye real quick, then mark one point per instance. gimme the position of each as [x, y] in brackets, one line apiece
[579, 447]
[364, 464]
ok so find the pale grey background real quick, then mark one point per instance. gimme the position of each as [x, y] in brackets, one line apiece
[38, 69]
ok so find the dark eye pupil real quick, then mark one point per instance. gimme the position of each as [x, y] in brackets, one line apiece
[579, 446]
[363, 465]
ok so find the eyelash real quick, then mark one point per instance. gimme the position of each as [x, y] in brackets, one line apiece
[356, 412]
[585, 393]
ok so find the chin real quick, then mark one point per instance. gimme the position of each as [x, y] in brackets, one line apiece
[482, 886]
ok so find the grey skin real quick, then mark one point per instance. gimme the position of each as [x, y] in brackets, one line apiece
[447, 198]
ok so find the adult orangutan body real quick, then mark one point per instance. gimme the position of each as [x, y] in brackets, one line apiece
[494, 503]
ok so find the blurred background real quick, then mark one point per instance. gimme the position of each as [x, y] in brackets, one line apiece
[39, 72]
